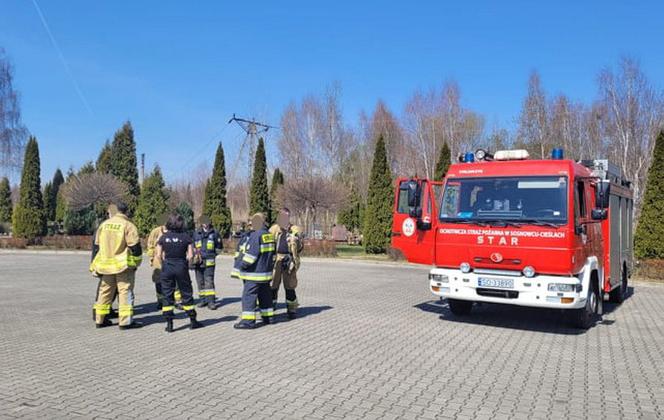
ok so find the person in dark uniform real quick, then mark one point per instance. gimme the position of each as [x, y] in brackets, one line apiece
[208, 243]
[256, 261]
[175, 248]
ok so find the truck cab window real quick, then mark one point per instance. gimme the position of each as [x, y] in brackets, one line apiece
[402, 203]
[579, 200]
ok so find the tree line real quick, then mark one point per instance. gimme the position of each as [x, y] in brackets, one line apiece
[330, 171]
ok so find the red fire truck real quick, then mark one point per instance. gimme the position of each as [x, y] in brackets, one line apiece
[502, 228]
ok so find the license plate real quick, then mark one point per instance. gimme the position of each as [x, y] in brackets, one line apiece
[496, 283]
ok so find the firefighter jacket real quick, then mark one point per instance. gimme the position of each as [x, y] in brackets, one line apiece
[258, 257]
[118, 246]
[153, 238]
[290, 240]
[208, 244]
[239, 253]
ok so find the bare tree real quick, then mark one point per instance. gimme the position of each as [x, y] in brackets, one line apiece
[192, 188]
[13, 133]
[431, 118]
[533, 131]
[308, 198]
[634, 114]
[83, 190]
[314, 139]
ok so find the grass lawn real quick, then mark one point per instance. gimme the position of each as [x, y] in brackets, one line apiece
[357, 251]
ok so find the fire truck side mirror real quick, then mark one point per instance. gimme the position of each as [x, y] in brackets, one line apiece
[599, 214]
[602, 192]
[413, 194]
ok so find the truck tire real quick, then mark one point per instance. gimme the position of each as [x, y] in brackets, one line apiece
[619, 294]
[460, 307]
[583, 318]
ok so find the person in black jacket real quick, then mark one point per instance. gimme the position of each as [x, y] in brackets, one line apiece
[174, 247]
[207, 243]
[256, 261]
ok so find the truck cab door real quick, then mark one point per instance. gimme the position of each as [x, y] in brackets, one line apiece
[414, 220]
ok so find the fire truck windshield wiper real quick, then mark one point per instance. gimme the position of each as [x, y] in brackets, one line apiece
[537, 222]
[466, 222]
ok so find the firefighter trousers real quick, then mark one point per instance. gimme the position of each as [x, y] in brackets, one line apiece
[175, 273]
[94, 310]
[205, 283]
[124, 284]
[252, 291]
[156, 279]
[282, 274]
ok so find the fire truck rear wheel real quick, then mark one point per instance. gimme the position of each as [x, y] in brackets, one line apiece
[619, 294]
[460, 307]
[583, 318]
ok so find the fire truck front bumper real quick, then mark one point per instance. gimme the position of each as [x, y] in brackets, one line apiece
[541, 291]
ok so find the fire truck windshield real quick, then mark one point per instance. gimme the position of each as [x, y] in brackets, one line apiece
[526, 199]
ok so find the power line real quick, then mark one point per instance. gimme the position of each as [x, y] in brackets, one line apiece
[62, 59]
[252, 128]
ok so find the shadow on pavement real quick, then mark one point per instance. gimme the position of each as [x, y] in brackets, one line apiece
[506, 316]
[303, 312]
[147, 308]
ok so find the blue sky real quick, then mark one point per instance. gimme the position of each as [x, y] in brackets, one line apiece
[179, 70]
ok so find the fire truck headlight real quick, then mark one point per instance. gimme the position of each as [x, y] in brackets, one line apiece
[464, 267]
[562, 287]
[528, 271]
[442, 278]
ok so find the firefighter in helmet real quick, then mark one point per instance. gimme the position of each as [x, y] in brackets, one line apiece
[207, 244]
[255, 262]
[117, 255]
[288, 247]
[155, 260]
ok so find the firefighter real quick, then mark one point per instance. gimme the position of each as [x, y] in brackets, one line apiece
[117, 255]
[175, 249]
[207, 243]
[256, 261]
[113, 313]
[155, 259]
[288, 248]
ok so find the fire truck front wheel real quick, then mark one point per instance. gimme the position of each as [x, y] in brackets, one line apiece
[460, 307]
[583, 318]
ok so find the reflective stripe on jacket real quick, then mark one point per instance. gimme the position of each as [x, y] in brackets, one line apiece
[114, 237]
[257, 258]
[209, 243]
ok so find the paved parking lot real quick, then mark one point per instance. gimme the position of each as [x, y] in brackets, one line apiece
[371, 343]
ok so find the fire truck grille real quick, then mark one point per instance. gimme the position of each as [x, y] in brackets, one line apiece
[505, 294]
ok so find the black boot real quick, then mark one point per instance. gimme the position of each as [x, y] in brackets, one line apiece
[193, 322]
[112, 314]
[169, 325]
[267, 320]
[131, 326]
[105, 323]
[292, 315]
[212, 305]
[244, 326]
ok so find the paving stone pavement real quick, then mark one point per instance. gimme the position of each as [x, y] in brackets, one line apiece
[371, 343]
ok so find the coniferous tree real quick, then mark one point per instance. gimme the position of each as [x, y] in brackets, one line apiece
[259, 198]
[104, 159]
[214, 203]
[648, 241]
[6, 206]
[277, 181]
[29, 219]
[378, 214]
[350, 215]
[187, 213]
[51, 195]
[123, 163]
[443, 163]
[152, 203]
